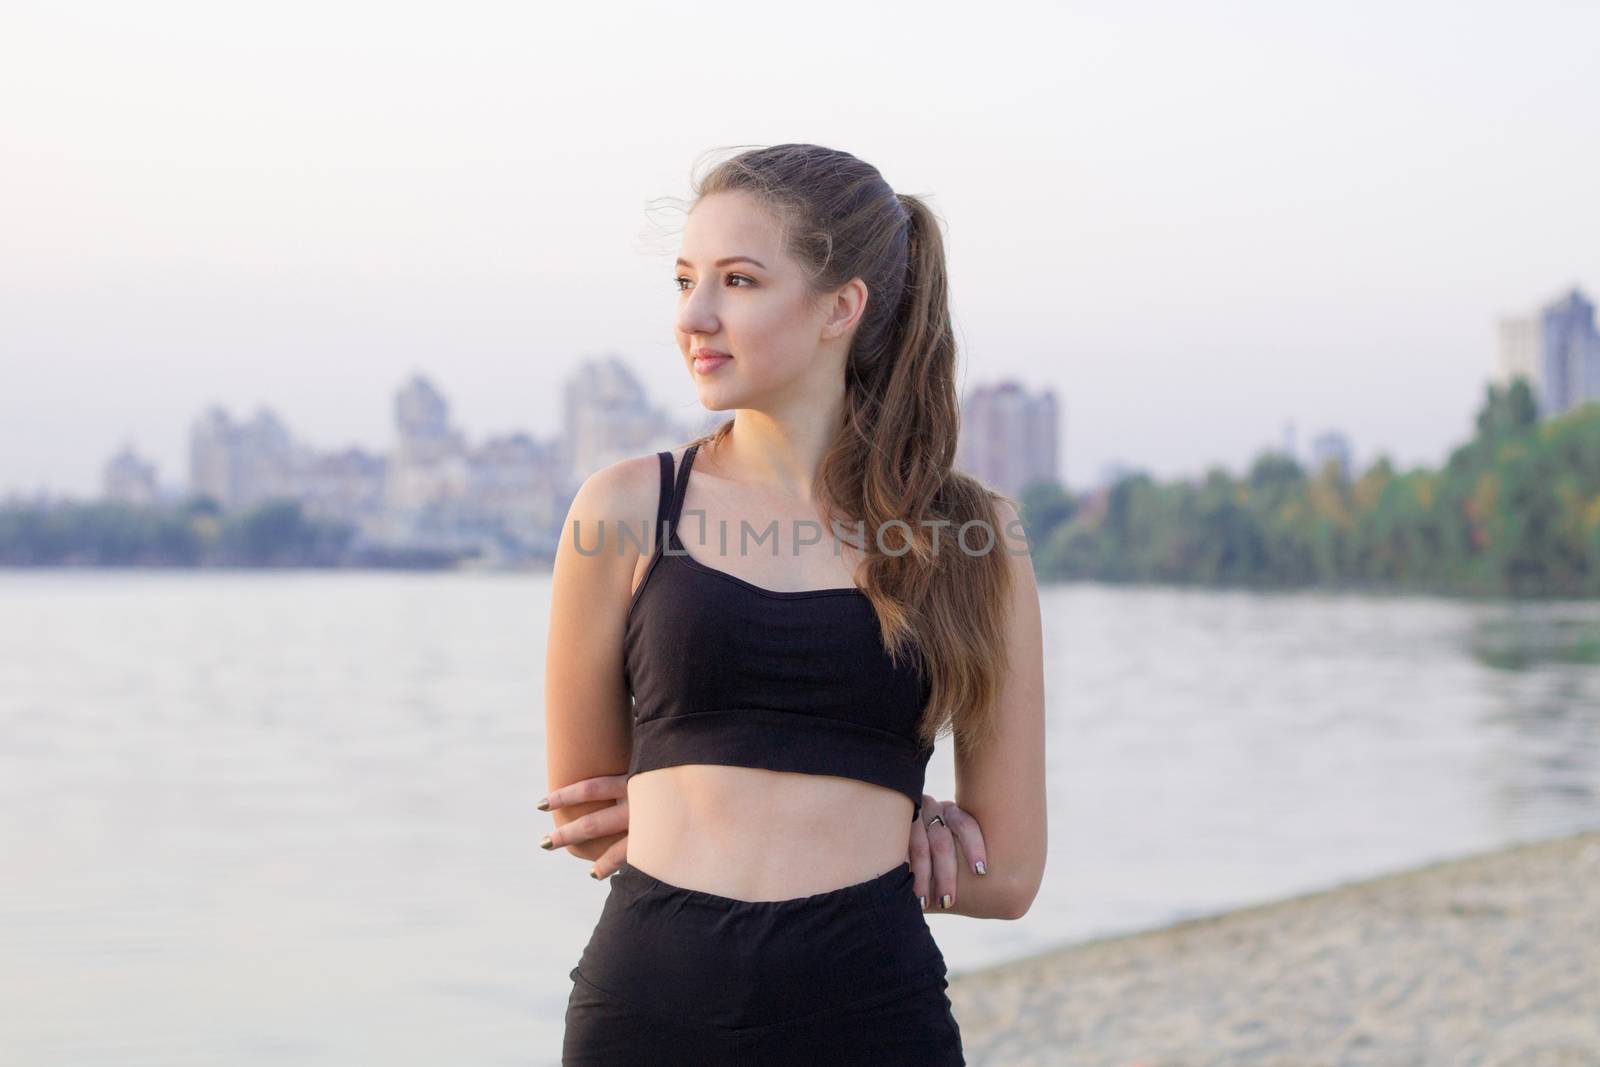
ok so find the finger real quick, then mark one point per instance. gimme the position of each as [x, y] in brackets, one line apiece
[917, 856]
[968, 835]
[942, 852]
[610, 859]
[602, 823]
[604, 787]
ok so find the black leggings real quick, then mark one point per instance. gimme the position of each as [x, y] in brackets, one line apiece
[680, 976]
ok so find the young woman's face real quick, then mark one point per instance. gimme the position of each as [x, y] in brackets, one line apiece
[747, 326]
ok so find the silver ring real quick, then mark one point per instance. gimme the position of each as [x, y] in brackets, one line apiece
[936, 820]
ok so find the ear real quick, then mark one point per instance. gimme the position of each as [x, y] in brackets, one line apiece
[844, 309]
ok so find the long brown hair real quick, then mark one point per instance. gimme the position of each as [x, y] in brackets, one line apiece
[890, 466]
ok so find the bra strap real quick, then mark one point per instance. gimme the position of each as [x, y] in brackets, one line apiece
[665, 499]
[677, 489]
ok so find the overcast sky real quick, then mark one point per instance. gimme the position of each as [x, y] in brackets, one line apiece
[1197, 222]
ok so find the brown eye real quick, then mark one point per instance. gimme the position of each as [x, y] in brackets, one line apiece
[680, 279]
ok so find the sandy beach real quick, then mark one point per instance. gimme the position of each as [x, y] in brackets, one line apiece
[1491, 960]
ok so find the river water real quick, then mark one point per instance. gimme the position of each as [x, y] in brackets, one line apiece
[288, 817]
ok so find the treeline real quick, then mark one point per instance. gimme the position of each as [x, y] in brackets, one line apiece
[1515, 511]
[193, 533]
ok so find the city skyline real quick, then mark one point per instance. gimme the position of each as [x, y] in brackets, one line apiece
[1019, 435]
[504, 497]
[607, 416]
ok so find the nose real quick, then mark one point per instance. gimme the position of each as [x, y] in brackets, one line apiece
[695, 314]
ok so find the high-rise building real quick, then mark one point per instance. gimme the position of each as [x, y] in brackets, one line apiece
[1009, 436]
[504, 497]
[267, 458]
[211, 464]
[422, 421]
[1518, 351]
[128, 479]
[607, 416]
[430, 460]
[240, 465]
[1569, 355]
[1334, 446]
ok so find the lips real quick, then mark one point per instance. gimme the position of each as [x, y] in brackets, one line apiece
[707, 364]
[707, 360]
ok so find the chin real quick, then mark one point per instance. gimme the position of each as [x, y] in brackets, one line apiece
[718, 400]
[720, 392]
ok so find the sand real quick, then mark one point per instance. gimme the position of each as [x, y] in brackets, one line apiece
[1487, 961]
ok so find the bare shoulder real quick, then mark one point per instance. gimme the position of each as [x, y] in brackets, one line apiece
[624, 489]
[1012, 534]
[615, 508]
[1012, 540]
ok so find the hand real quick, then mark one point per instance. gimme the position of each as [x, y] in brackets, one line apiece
[594, 827]
[932, 850]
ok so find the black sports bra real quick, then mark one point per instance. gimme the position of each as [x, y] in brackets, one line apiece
[725, 672]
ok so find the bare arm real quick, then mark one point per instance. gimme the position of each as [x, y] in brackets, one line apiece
[588, 713]
[1002, 786]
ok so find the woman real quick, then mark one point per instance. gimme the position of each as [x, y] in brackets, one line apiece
[775, 709]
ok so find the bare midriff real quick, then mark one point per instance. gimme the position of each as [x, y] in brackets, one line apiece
[754, 834]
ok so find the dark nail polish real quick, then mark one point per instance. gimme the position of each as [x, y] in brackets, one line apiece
[981, 867]
[922, 902]
[594, 873]
[546, 843]
[544, 805]
[946, 900]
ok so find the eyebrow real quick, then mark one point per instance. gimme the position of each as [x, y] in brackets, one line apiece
[724, 262]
